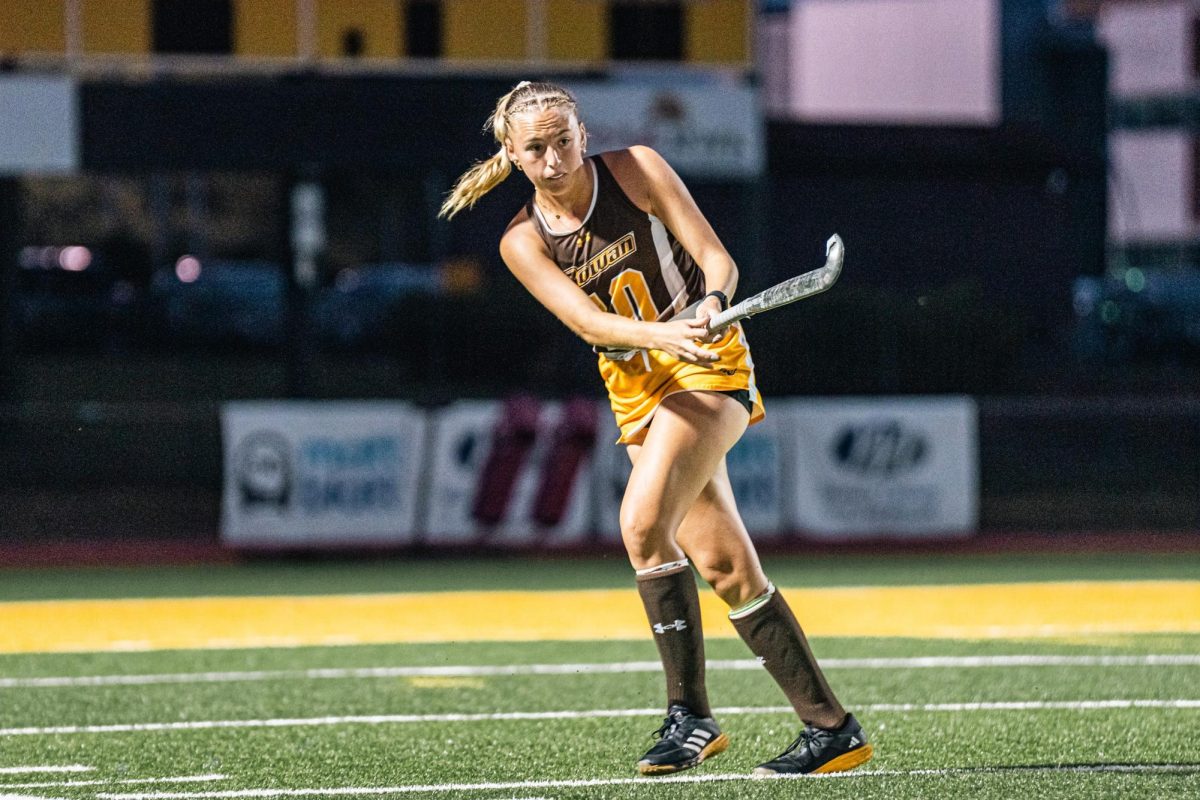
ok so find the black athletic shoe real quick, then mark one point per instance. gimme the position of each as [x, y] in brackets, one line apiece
[818, 750]
[684, 740]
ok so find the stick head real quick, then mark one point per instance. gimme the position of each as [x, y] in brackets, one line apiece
[835, 252]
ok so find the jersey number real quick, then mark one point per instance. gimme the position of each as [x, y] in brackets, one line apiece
[631, 296]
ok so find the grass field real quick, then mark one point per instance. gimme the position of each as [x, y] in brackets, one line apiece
[531, 679]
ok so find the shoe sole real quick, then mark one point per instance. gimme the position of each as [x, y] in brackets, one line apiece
[843, 763]
[715, 747]
[847, 761]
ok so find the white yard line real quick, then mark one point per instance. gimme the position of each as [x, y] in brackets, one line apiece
[45, 768]
[467, 671]
[393, 719]
[123, 781]
[1035, 705]
[367, 791]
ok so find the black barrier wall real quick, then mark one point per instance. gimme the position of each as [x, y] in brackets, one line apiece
[137, 471]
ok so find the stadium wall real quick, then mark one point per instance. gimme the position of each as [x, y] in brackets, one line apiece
[122, 471]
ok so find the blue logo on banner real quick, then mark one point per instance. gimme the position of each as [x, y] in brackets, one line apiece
[349, 475]
[754, 471]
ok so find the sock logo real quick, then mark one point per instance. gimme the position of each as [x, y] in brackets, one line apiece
[677, 625]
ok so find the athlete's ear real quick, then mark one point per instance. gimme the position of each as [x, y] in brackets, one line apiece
[583, 137]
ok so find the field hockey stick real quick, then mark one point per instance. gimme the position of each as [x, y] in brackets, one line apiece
[780, 294]
[789, 291]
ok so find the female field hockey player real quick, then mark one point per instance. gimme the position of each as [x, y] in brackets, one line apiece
[615, 247]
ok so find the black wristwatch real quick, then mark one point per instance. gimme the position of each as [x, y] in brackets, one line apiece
[717, 293]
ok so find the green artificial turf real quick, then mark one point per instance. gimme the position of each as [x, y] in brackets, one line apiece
[1140, 752]
[987, 753]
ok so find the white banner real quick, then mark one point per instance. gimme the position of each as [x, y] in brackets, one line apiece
[756, 469]
[711, 129]
[465, 437]
[612, 473]
[894, 467]
[327, 473]
[301, 474]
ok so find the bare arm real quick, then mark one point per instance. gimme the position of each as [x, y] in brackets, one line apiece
[670, 201]
[525, 255]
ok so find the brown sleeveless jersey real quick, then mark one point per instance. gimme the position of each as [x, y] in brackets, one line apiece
[623, 258]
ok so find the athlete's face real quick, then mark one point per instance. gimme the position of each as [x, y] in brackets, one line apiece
[548, 145]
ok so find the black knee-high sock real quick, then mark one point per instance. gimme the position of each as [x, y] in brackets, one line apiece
[773, 634]
[673, 608]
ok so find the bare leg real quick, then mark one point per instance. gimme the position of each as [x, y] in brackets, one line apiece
[715, 539]
[685, 446]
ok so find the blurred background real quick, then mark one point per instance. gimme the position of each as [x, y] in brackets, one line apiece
[229, 315]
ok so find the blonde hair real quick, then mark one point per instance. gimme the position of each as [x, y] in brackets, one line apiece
[490, 173]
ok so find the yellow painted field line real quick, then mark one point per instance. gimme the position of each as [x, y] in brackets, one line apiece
[961, 612]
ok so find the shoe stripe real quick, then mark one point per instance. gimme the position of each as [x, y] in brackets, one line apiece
[847, 761]
[691, 747]
[704, 735]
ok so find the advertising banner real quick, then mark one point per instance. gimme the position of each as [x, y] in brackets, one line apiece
[612, 473]
[707, 129]
[330, 473]
[899, 467]
[757, 470]
[516, 473]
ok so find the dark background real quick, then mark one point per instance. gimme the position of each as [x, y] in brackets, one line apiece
[968, 253]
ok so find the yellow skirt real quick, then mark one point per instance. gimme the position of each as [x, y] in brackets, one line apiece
[636, 387]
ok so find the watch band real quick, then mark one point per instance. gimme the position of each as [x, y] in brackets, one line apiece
[717, 293]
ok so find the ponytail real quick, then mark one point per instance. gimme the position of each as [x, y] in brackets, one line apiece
[487, 175]
[476, 182]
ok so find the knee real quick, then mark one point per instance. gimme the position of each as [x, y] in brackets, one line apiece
[646, 537]
[734, 583]
[719, 573]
